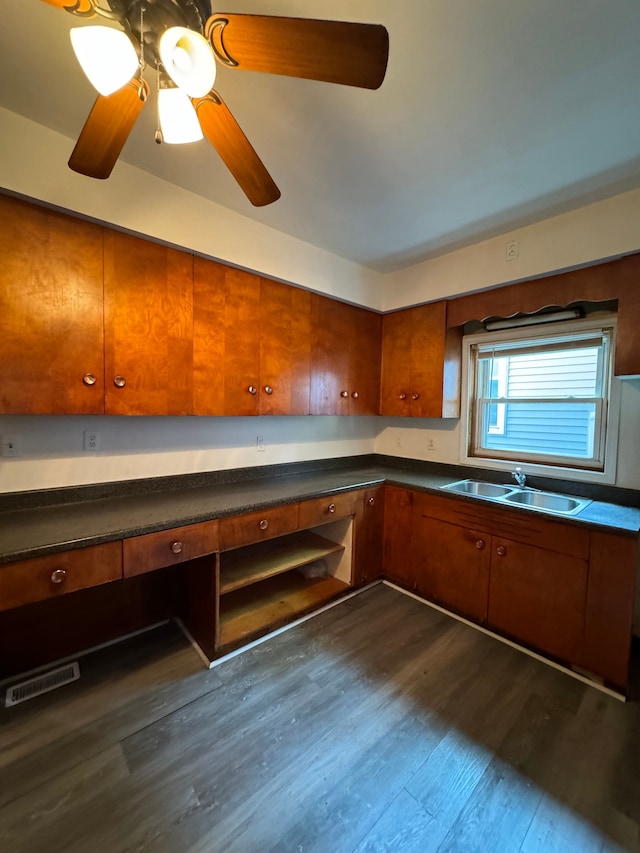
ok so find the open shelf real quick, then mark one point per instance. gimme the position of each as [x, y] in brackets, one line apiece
[256, 563]
[282, 597]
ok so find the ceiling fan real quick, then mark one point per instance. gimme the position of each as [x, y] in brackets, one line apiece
[183, 40]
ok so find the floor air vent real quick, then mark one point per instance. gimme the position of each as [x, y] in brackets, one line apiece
[43, 683]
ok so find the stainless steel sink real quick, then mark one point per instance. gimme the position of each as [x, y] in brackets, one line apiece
[479, 488]
[548, 501]
[530, 498]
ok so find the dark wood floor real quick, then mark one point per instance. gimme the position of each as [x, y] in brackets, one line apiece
[380, 725]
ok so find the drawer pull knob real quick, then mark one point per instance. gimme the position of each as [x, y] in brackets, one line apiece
[501, 551]
[415, 396]
[480, 544]
[119, 381]
[402, 396]
[264, 524]
[355, 395]
[89, 379]
[177, 547]
[344, 393]
[371, 501]
[252, 390]
[58, 576]
[332, 507]
[268, 390]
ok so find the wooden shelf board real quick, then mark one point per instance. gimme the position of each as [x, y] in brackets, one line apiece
[254, 563]
[249, 612]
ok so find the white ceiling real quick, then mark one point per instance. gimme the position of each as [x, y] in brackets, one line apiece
[493, 114]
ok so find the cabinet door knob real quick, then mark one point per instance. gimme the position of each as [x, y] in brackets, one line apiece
[89, 379]
[58, 576]
[415, 396]
[480, 544]
[263, 524]
[402, 396]
[371, 501]
[252, 389]
[177, 547]
[119, 381]
[268, 390]
[355, 395]
[344, 393]
[331, 507]
[501, 551]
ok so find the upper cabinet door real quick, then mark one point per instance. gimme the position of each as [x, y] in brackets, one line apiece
[330, 330]
[226, 342]
[345, 358]
[364, 361]
[51, 325]
[420, 363]
[148, 327]
[285, 349]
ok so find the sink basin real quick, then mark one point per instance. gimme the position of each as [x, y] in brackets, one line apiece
[548, 501]
[530, 498]
[479, 488]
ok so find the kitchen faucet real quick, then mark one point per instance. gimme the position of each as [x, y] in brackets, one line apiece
[520, 477]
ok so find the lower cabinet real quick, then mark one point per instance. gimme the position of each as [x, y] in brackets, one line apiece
[369, 536]
[538, 597]
[451, 565]
[560, 589]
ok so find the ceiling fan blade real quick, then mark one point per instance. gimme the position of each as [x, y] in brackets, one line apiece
[331, 51]
[237, 153]
[106, 130]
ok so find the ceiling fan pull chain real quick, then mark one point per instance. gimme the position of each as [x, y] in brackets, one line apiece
[158, 136]
[142, 91]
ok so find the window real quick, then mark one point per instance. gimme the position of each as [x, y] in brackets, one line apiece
[541, 396]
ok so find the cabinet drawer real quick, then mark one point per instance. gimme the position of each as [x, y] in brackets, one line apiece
[238, 530]
[168, 547]
[57, 574]
[322, 510]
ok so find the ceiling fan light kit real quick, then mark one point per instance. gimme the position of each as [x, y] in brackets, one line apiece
[188, 60]
[186, 39]
[178, 120]
[106, 56]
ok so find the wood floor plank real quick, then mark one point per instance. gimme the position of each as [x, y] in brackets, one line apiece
[404, 826]
[158, 672]
[379, 725]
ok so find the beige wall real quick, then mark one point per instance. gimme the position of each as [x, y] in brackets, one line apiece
[32, 163]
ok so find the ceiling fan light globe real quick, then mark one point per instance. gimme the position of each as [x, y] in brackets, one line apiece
[106, 56]
[188, 59]
[178, 120]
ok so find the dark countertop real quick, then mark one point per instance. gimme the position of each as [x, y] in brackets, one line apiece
[64, 519]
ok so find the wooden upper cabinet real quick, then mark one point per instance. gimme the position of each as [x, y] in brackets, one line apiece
[226, 343]
[345, 358]
[148, 327]
[420, 363]
[51, 323]
[251, 344]
[285, 349]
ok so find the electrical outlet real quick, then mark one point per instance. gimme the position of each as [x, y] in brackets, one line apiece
[260, 443]
[91, 441]
[431, 443]
[10, 445]
[398, 441]
[512, 250]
